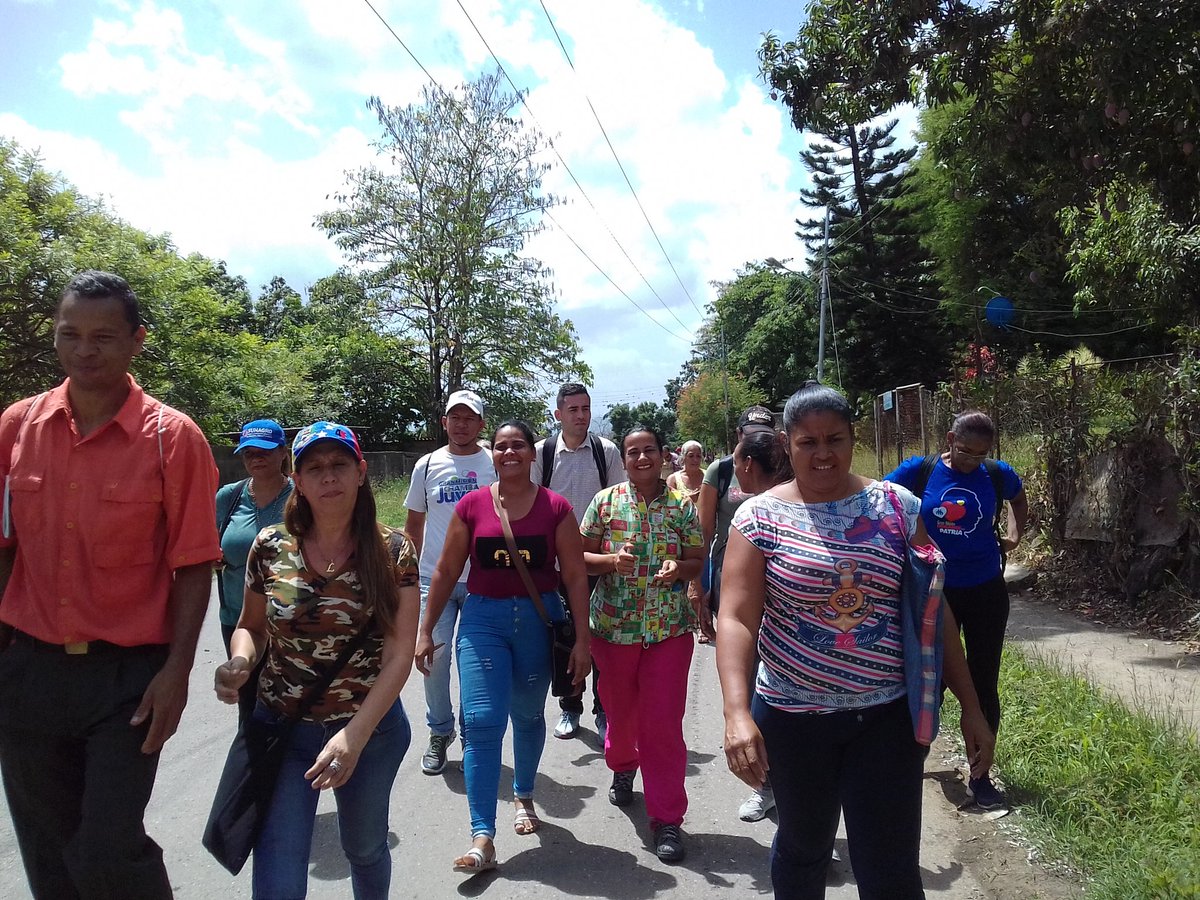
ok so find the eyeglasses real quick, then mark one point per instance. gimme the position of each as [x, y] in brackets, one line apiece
[976, 456]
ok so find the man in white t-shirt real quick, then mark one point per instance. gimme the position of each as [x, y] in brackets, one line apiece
[439, 480]
[577, 465]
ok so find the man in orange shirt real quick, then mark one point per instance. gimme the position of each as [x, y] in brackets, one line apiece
[106, 556]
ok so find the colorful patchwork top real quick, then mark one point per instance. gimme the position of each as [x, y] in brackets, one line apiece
[831, 633]
[629, 609]
[311, 619]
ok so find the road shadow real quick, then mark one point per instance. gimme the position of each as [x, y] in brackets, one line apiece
[558, 860]
[328, 862]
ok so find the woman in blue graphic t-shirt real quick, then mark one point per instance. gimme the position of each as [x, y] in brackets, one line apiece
[958, 506]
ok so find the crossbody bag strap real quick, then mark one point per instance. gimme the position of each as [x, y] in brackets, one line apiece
[515, 556]
[314, 693]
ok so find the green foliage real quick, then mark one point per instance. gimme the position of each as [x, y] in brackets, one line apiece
[770, 329]
[622, 417]
[702, 413]
[1046, 113]
[1099, 785]
[441, 230]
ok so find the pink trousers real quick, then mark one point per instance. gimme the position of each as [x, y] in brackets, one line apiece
[644, 692]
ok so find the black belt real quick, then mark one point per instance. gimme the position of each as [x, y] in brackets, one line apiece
[81, 648]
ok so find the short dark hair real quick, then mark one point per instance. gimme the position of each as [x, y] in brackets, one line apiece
[815, 397]
[637, 429]
[521, 426]
[96, 285]
[570, 389]
[972, 421]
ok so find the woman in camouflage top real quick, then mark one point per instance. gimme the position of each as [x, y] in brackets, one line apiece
[313, 584]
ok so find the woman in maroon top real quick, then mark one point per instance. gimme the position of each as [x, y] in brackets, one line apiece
[503, 649]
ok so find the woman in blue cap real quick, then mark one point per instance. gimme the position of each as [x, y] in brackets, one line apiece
[331, 602]
[246, 507]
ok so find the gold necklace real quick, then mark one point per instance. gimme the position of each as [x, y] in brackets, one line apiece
[335, 560]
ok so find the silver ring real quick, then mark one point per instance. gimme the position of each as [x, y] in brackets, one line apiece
[335, 767]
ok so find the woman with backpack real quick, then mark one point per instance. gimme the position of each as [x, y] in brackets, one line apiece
[246, 507]
[962, 495]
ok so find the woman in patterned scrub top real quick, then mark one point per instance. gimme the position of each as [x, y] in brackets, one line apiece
[813, 571]
[643, 540]
[314, 583]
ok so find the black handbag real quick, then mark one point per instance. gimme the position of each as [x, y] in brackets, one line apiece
[561, 633]
[251, 770]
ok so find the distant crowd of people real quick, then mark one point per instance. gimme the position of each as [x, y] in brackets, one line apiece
[838, 604]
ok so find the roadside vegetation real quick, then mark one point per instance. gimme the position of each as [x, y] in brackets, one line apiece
[389, 500]
[1112, 793]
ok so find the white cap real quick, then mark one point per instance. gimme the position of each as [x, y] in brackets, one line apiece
[469, 399]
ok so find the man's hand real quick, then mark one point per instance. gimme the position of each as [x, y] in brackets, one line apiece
[668, 574]
[162, 704]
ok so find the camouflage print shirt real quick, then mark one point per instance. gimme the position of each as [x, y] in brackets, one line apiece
[310, 620]
[629, 609]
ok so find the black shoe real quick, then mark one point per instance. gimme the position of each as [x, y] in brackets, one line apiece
[434, 760]
[668, 843]
[621, 792]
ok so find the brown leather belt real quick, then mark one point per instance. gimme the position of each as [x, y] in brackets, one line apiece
[80, 648]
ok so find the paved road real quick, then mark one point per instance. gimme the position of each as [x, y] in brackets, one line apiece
[587, 848]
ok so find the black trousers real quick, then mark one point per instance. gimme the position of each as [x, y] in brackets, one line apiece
[574, 703]
[863, 764]
[75, 777]
[982, 614]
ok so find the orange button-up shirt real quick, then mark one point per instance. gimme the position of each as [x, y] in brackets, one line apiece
[100, 522]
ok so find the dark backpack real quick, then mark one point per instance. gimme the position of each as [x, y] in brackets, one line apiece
[724, 476]
[597, 455]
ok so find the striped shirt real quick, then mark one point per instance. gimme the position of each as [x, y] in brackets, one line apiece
[830, 636]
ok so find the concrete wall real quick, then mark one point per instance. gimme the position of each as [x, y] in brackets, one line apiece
[381, 466]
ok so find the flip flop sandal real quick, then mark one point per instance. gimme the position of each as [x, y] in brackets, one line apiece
[526, 821]
[478, 863]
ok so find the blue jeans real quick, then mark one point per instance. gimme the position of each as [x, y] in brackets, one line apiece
[439, 709]
[503, 672]
[282, 851]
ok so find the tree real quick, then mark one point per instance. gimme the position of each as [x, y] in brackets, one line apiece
[441, 235]
[702, 412]
[1048, 112]
[623, 416]
[769, 323]
[196, 356]
[887, 322]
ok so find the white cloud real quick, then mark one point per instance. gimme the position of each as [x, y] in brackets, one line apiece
[251, 117]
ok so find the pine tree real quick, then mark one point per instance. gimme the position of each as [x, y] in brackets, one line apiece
[884, 296]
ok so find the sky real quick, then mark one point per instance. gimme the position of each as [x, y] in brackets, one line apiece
[230, 125]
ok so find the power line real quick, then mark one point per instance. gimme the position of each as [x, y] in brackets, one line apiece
[613, 283]
[529, 109]
[617, 158]
[436, 84]
[402, 44]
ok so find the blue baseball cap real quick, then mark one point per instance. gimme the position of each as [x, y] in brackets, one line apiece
[325, 431]
[265, 434]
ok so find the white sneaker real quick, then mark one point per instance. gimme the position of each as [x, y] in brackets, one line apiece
[757, 805]
[568, 726]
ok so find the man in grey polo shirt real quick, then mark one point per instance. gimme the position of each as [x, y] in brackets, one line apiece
[577, 465]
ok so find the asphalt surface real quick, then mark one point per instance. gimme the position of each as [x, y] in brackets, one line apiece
[586, 847]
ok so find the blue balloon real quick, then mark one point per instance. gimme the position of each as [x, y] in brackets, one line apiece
[999, 312]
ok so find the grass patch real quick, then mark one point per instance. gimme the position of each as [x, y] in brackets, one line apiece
[389, 498]
[1114, 793]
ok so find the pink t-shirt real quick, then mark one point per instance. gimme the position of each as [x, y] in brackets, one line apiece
[492, 573]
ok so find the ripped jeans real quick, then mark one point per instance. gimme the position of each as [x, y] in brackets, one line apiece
[503, 672]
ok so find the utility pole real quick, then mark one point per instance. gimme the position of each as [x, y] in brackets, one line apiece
[725, 382]
[824, 291]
